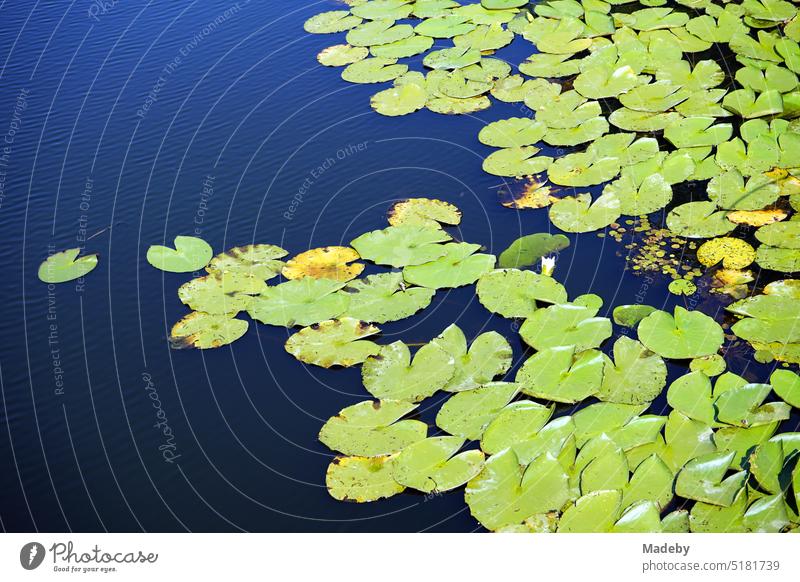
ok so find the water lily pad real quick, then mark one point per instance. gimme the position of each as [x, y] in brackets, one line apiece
[566, 325]
[746, 103]
[220, 293]
[424, 211]
[729, 191]
[340, 55]
[743, 406]
[712, 365]
[452, 58]
[324, 263]
[399, 100]
[373, 70]
[447, 26]
[636, 376]
[485, 38]
[698, 220]
[258, 260]
[562, 375]
[605, 82]
[66, 266]
[682, 287]
[580, 214]
[383, 297]
[362, 479]
[405, 244]
[376, 32]
[372, 428]
[506, 493]
[335, 342]
[204, 331]
[378, 9]
[467, 414]
[392, 374]
[299, 302]
[653, 194]
[697, 131]
[654, 97]
[489, 356]
[630, 315]
[703, 479]
[689, 334]
[331, 21]
[516, 161]
[644, 121]
[786, 385]
[518, 422]
[514, 293]
[190, 254]
[512, 133]
[432, 465]
[405, 47]
[734, 253]
[781, 234]
[527, 250]
[460, 265]
[592, 513]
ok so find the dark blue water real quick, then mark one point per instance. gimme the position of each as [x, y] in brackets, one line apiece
[133, 122]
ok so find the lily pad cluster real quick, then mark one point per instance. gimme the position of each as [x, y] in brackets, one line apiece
[623, 101]
[320, 289]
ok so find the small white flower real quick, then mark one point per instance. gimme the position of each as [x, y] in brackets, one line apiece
[548, 265]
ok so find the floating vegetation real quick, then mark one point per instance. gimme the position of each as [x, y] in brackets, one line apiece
[190, 254]
[66, 266]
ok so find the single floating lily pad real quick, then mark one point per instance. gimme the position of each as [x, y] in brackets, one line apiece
[425, 212]
[460, 265]
[383, 297]
[527, 250]
[299, 302]
[687, 334]
[392, 374]
[489, 356]
[66, 266]
[432, 465]
[405, 244]
[514, 293]
[190, 254]
[258, 260]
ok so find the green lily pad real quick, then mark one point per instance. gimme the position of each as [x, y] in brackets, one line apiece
[682, 287]
[630, 315]
[362, 479]
[562, 375]
[580, 214]
[780, 234]
[743, 406]
[514, 293]
[204, 331]
[655, 97]
[595, 512]
[190, 254]
[335, 342]
[636, 376]
[689, 334]
[340, 55]
[512, 133]
[220, 293]
[391, 373]
[405, 244]
[745, 103]
[489, 356]
[399, 100]
[373, 70]
[565, 325]
[643, 121]
[686, 439]
[485, 37]
[712, 365]
[260, 261]
[786, 385]
[372, 428]
[376, 32]
[467, 414]
[527, 250]
[447, 26]
[506, 493]
[699, 220]
[299, 302]
[605, 82]
[460, 265]
[383, 297]
[405, 47]
[518, 422]
[331, 21]
[703, 479]
[697, 131]
[516, 162]
[653, 194]
[378, 9]
[66, 266]
[452, 58]
[432, 465]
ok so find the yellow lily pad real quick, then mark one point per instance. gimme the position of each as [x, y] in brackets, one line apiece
[425, 211]
[733, 252]
[324, 263]
[757, 217]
